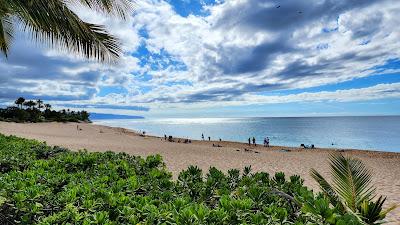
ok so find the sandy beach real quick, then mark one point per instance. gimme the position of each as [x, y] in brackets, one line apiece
[178, 156]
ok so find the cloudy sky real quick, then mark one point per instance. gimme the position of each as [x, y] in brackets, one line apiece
[206, 58]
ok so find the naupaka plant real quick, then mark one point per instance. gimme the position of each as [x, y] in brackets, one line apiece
[45, 185]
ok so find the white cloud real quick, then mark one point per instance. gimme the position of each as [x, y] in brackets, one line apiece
[377, 92]
[380, 91]
[241, 49]
[221, 49]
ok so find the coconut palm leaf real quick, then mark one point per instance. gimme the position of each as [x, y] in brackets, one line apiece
[352, 180]
[120, 8]
[372, 212]
[61, 28]
[6, 34]
[352, 190]
[53, 23]
[327, 189]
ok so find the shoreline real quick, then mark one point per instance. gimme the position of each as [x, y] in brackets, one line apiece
[239, 144]
[178, 156]
[229, 144]
[345, 135]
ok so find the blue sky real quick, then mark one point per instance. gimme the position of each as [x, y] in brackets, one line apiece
[208, 58]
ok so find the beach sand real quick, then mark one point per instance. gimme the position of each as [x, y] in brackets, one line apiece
[178, 156]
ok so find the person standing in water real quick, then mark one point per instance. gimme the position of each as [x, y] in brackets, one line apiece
[254, 141]
[202, 137]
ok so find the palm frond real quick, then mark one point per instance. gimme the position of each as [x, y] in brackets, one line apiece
[121, 8]
[6, 27]
[352, 180]
[372, 212]
[327, 189]
[6, 34]
[352, 189]
[52, 23]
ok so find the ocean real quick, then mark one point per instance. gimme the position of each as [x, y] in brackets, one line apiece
[363, 132]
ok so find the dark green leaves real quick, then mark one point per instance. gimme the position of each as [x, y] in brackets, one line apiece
[352, 180]
[352, 189]
[120, 8]
[372, 211]
[6, 34]
[53, 23]
[46, 185]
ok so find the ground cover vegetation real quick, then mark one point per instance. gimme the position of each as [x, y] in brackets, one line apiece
[40, 184]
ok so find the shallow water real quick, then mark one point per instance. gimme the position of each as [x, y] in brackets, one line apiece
[372, 132]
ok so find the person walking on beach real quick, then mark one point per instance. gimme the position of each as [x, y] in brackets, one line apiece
[165, 137]
[209, 138]
[249, 142]
[254, 141]
[202, 137]
[267, 141]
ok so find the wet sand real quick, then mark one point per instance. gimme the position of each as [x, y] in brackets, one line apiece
[178, 156]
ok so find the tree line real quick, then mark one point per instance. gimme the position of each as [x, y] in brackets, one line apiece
[38, 111]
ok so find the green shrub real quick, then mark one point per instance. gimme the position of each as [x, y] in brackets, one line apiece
[51, 185]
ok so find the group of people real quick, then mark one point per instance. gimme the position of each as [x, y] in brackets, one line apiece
[209, 138]
[266, 141]
[254, 141]
[171, 139]
[250, 140]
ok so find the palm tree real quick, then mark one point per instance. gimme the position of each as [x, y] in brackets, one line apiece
[30, 104]
[52, 22]
[84, 115]
[47, 106]
[39, 103]
[351, 190]
[20, 101]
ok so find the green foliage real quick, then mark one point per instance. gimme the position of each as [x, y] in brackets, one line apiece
[31, 113]
[52, 185]
[54, 23]
[352, 191]
[372, 212]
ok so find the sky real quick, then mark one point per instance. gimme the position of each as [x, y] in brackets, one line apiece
[214, 58]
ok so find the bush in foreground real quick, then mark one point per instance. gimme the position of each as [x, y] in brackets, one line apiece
[45, 185]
